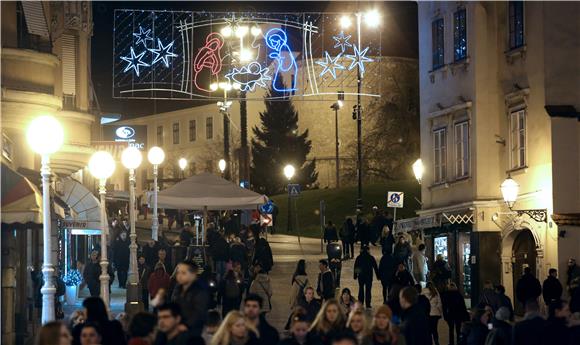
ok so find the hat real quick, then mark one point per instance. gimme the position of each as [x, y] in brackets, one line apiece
[384, 310]
[502, 314]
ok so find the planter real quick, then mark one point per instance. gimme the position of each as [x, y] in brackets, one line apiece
[71, 295]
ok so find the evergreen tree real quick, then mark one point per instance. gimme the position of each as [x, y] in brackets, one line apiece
[278, 143]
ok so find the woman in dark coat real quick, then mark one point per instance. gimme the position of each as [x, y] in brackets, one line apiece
[191, 293]
[96, 313]
[91, 274]
[347, 237]
[454, 310]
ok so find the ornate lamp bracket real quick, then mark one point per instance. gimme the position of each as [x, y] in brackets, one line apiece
[539, 215]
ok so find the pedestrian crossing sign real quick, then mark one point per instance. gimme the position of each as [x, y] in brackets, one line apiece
[293, 190]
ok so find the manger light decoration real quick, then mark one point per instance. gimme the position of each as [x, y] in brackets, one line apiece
[131, 159]
[509, 191]
[155, 156]
[45, 137]
[277, 40]
[418, 170]
[226, 31]
[241, 31]
[255, 31]
[134, 61]
[102, 166]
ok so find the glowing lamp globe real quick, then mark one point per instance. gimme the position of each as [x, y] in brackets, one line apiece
[222, 165]
[156, 155]
[45, 135]
[418, 170]
[102, 165]
[509, 191]
[289, 171]
[131, 157]
[372, 18]
[345, 22]
[182, 163]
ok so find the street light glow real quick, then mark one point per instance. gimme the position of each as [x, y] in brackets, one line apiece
[226, 31]
[45, 135]
[222, 165]
[213, 86]
[418, 170]
[256, 30]
[241, 31]
[289, 171]
[102, 165]
[245, 55]
[509, 191]
[182, 163]
[345, 22]
[340, 103]
[372, 18]
[131, 157]
[156, 155]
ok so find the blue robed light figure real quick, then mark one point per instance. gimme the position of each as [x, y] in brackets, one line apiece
[277, 40]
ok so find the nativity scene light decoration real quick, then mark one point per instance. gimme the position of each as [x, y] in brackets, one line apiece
[183, 55]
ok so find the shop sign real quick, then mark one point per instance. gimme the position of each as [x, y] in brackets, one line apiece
[417, 223]
[74, 224]
[133, 135]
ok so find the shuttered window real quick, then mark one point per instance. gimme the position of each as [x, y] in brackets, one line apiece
[69, 64]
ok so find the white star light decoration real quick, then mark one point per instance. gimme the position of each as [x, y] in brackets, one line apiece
[330, 65]
[134, 61]
[359, 58]
[142, 36]
[342, 41]
[162, 53]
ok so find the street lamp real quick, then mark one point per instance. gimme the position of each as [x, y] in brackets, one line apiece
[45, 136]
[336, 106]
[155, 157]
[102, 166]
[418, 170]
[372, 18]
[182, 165]
[223, 107]
[222, 165]
[131, 159]
[509, 191]
[289, 171]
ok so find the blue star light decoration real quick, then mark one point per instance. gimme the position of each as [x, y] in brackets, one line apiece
[359, 58]
[342, 41]
[330, 65]
[134, 61]
[143, 36]
[162, 53]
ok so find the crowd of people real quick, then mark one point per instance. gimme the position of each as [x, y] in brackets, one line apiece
[225, 300]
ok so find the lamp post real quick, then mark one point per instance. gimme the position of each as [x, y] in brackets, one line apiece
[336, 106]
[45, 136]
[155, 157]
[509, 191]
[289, 173]
[418, 170]
[102, 166]
[372, 18]
[182, 165]
[224, 107]
[131, 159]
[222, 165]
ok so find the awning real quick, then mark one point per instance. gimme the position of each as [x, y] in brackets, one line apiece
[21, 199]
[85, 207]
[117, 195]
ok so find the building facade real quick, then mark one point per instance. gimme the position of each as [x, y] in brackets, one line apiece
[494, 78]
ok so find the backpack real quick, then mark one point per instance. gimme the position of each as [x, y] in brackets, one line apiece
[231, 289]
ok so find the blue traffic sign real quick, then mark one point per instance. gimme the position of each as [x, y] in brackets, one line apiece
[293, 190]
[267, 208]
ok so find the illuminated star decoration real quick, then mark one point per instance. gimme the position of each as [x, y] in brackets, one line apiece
[342, 41]
[134, 61]
[359, 58]
[162, 53]
[330, 65]
[142, 36]
[249, 76]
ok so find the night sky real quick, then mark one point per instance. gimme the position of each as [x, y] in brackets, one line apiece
[399, 38]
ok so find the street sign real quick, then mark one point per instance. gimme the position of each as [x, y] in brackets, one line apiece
[267, 207]
[293, 190]
[266, 219]
[395, 199]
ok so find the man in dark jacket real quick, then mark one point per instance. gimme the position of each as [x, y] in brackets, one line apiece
[402, 252]
[528, 287]
[415, 325]
[310, 304]
[364, 267]
[529, 330]
[364, 232]
[556, 330]
[219, 251]
[377, 224]
[347, 237]
[121, 258]
[325, 286]
[268, 335]
[501, 333]
[192, 296]
[552, 288]
[504, 301]
[386, 273]
[263, 254]
[330, 233]
[403, 277]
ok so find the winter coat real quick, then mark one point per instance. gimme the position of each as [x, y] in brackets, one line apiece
[91, 274]
[111, 333]
[551, 289]
[312, 308]
[364, 232]
[420, 268]
[364, 266]
[325, 286]
[387, 243]
[491, 298]
[402, 252]
[194, 305]
[505, 301]
[454, 308]
[434, 302]
[440, 273]
[261, 287]
[403, 278]
[158, 280]
[330, 234]
[527, 288]
[555, 331]
[263, 254]
[501, 334]
[238, 253]
[121, 254]
[387, 269]
[268, 335]
[478, 334]
[529, 330]
[298, 285]
[415, 326]
[219, 250]
[144, 273]
[347, 232]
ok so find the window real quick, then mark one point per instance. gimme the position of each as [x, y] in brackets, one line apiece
[159, 135]
[209, 128]
[462, 149]
[440, 247]
[7, 148]
[440, 155]
[437, 43]
[516, 24]
[518, 139]
[176, 133]
[192, 130]
[460, 34]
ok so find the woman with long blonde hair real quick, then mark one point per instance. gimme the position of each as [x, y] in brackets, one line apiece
[358, 324]
[329, 322]
[235, 330]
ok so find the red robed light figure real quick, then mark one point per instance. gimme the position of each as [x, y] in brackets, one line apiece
[208, 57]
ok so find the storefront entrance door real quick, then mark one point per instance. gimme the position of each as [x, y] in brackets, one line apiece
[524, 253]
